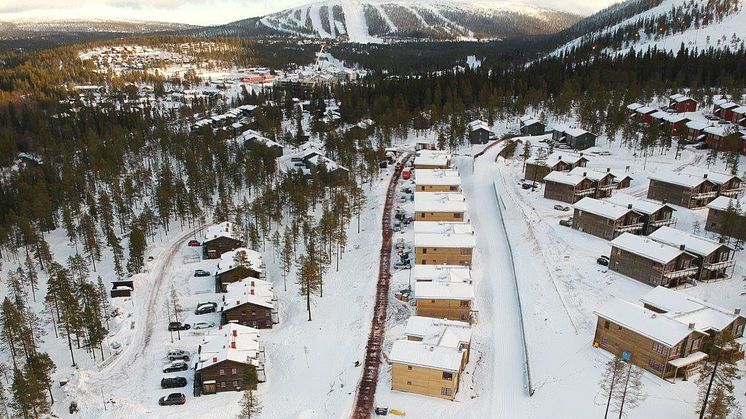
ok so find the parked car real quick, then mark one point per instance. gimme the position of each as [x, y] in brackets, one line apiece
[194, 243]
[176, 354]
[567, 222]
[527, 185]
[203, 325]
[559, 207]
[204, 308]
[701, 146]
[174, 326]
[176, 366]
[402, 265]
[200, 272]
[173, 382]
[172, 399]
[397, 225]
[150, 258]
[603, 261]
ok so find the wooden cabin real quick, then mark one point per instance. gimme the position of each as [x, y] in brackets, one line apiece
[717, 322]
[528, 125]
[431, 359]
[714, 259]
[644, 113]
[723, 138]
[431, 159]
[225, 357]
[681, 189]
[727, 184]
[439, 206]
[603, 182]
[444, 296]
[654, 214]
[663, 346]
[565, 187]
[605, 219]
[537, 168]
[250, 302]
[443, 243]
[696, 131]
[726, 216]
[437, 180]
[219, 239]
[238, 264]
[479, 132]
[576, 138]
[651, 262]
[682, 103]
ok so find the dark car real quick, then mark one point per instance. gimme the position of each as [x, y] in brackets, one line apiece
[603, 261]
[200, 272]
[176, 366]
[194, 243]
[567, 222]
[527, 185]
[174, 326]
[204, 308]
[172, 399]
[173, 382]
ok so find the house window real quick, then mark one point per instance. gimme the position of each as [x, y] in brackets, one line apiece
[253, 312]
[432, 301]
[409, 367]
[738, 330]
[604, 340]
[465, 251]
[424, 251]
[464, 303]
[222, 371]
[234, 371]
[447, 376]
[446, 391]
[657, 347]
[409, 383]
[235, 384]
[606, 324]
[456, 215]
[655, 365]
[222, 384]
[696, 343]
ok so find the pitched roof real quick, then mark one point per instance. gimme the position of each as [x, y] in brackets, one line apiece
[644, 206]
[634, 106]
[248, 291]
[444, 290]
[721, 203]
[717, 178]
[478, 125]
[445, 240]
[554, 158]
[441, 332]
[589, 173]
[645, 322]
[697, 245]
[432, 158]
[232, 342]
[646, 248]
[451, 273]
[442, 227]
[228, 260]
[602, 208]
[687, 309]
[447, 177]
[420, 354]
[563, 178]
[224, 229]
[680, 179]
[439, 202]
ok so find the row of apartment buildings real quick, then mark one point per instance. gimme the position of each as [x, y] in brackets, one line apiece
[434, 351]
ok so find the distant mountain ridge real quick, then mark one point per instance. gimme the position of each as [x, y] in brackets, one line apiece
[29, 27]
[377, 20]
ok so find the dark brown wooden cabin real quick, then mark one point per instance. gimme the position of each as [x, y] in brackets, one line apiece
[604, 219]
[651, 262]
[225, 375]
[684, 190]
[213, 248]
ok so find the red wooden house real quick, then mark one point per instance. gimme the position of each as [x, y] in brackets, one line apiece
[682, 103]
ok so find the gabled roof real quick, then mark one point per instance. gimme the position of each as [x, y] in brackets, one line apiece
[687, 309]
[439, 202]
[577, 132]
[721, 203]
[232, 342]
[680, 179]
[432, 158]
[443, 227]
[228, 260]
[443, 290]
[697, 245]
[644, 322]
[445, 240]
[248, 291]
[478, 125]
[420, 354]
[645, 110]
[697, 125]
[680, 98]
[590, 174]
[450, 273]
[554, 158]
[644, 206]
[634, 106]
[564, 178]
[224, 229]
[447, 177]
[602, 208]
[441, 332]
[646, 248]
[717, 178]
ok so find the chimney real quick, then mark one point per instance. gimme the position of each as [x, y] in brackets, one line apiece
[665, 202]
[691, 326]
[252, 291]
[705, 175]
[629, 206]
[233, 344]
[682, 247]
[238, 301]
[737, 312]
[581, 154]
[214, 359]
[585, 174]
[235, 333]
[560, 157]
[608, 170]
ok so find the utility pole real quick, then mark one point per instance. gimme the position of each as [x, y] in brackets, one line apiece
[709, 385]
[624, 393]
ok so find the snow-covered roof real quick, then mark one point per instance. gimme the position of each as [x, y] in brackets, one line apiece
[442, 227]
[439, 202]
[576, 132]
[224, 229]
[717, 178]
[721, 130]
[680, 179]
[232, 342]
[432, 158]
[478, 125]
[602, 208]
[727, 105]
[645, 322]
[450, 273]
[687, 309]
[646, 248]
[441, 332]
[555, 158]
[739, 110]
[424, 355]
[590, 174]
[228, 260]
[697, 245]
[444, 290]
[634, 106]
[697, 125]
[678, 98]
[563, 178]
[527, 121]
[445, 240]
[641, 205]
[645, 110]
[722, 203]
[674, 118]
[446, 177]
[248, 290]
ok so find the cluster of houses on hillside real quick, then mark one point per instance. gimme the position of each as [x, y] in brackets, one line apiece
[233, 121]
[248, 304]
[724, 128]
[310, 160]
[669, 334]
[431, 357]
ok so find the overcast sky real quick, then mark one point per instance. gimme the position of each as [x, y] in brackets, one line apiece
[201, 12]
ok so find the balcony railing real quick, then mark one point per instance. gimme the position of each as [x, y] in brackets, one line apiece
[630, 227]
[716, 266]
[586, 192]
[705, 195]
[608, 187]
[683, 273]
[661, 223]
[732, 192]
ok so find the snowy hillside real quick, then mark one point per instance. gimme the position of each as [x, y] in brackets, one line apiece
[662, 24]
[32, 27]
[374, 20]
